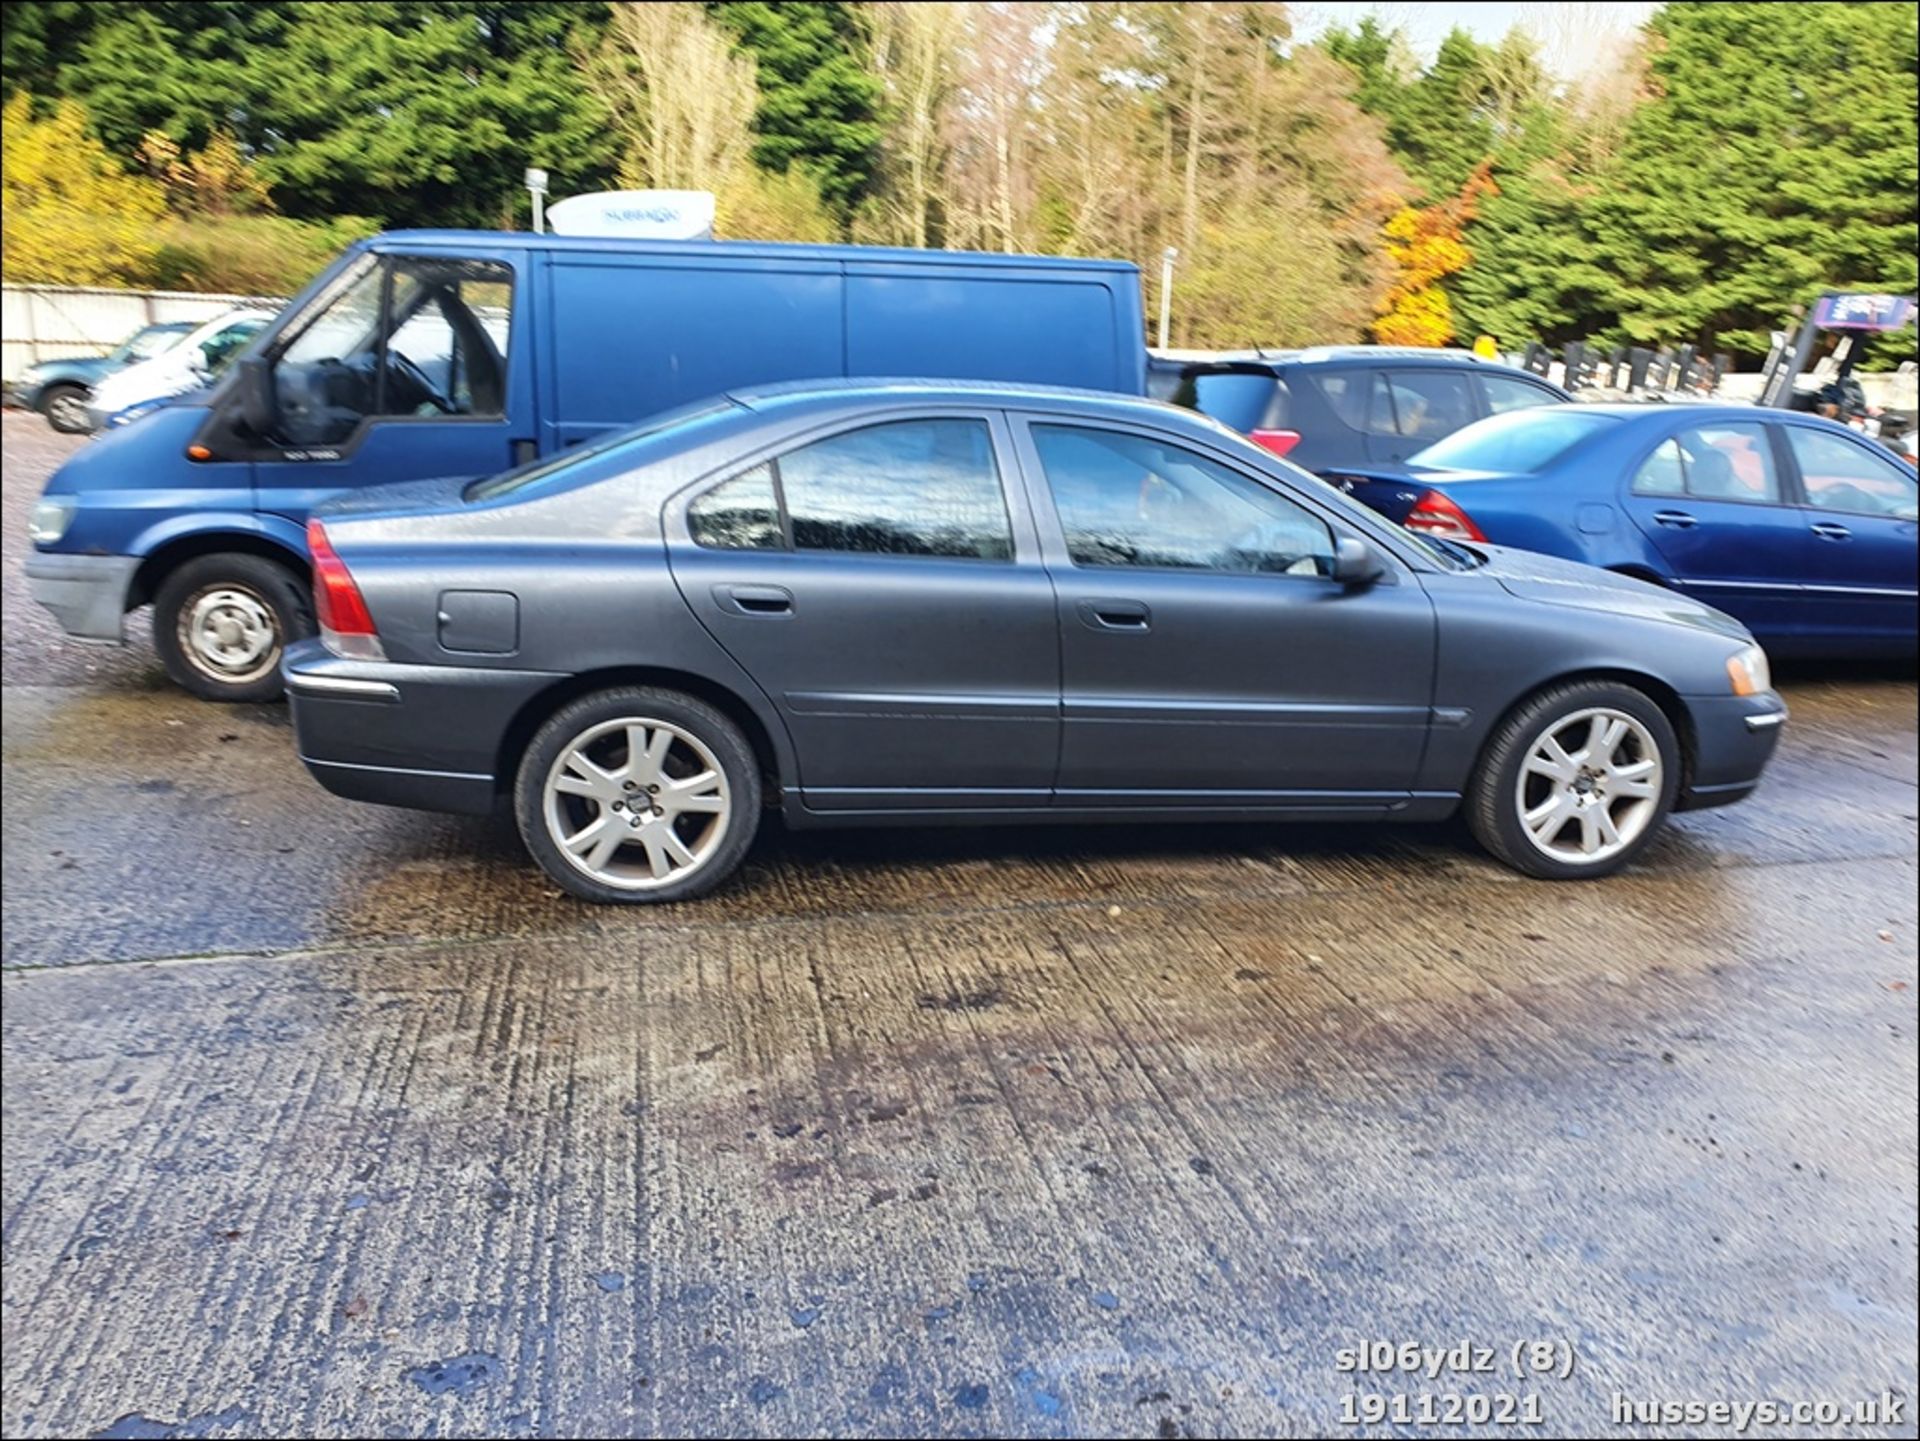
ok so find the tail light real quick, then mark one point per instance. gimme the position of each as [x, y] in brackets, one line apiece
[346, 625]
[1277, 441]
[1436, 514]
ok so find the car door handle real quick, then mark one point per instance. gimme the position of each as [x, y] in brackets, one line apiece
[1678, 519]
[1830, 530]
[771, 600]
[1121, 615]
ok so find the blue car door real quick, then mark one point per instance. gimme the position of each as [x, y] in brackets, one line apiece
[1860, 522]
[406, 367]
[1711, 500]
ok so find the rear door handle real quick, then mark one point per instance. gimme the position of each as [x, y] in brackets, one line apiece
[1678, 519]
[767, 600]
[1831, 530]
[1128, 616]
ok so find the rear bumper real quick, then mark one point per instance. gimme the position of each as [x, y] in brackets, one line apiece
[86, 593]
[1733, 739]
[424, 736]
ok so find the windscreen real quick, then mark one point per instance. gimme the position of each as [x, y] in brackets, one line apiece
[1519, 442]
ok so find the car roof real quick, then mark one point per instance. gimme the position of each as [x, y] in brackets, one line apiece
[852, 391]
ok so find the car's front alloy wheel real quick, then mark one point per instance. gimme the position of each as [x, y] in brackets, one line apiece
[1576, 782]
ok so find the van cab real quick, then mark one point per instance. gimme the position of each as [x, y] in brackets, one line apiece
[423, 354]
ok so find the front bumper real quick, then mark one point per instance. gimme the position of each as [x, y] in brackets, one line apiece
[425, 736]
[86, 593]
[1733, 739]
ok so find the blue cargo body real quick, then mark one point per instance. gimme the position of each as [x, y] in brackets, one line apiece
[422, 354]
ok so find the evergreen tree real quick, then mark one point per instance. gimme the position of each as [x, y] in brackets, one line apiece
[819, 102]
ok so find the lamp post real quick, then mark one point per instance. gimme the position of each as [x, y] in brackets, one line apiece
[536, 181]
[1166, 291]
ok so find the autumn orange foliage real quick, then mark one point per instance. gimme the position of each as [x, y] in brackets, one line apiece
[1425, 245]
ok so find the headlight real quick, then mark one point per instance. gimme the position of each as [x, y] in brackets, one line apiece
[1747, 669]
[50, 521]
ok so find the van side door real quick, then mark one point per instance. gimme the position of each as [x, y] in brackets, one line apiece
[407, 367]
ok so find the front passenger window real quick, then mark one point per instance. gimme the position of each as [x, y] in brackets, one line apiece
[1124, 500]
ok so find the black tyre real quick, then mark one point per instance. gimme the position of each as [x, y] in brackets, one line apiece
[65, 407]
[1576, 782]
[222, 622]
[638, 795]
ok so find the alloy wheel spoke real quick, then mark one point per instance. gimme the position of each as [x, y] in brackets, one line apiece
[1603, 739]
[695, 793]
[587, 839]
[1546, 819]
[586, 779]
[1639, 781]
[646, 753]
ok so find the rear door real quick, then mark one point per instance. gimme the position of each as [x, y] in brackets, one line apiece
[1713, 502]
[410, 367]
[883, 588]
[1859, 511]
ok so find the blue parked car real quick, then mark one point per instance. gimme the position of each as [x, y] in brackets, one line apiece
[1794, 524]
[425, 354]
[60, 389]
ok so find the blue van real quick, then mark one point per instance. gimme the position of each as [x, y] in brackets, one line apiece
[448, 353]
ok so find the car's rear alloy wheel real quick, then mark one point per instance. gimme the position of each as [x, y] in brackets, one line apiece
[638, 795]
[1576, 782]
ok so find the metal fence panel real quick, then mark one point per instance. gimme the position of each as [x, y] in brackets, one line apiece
[47, 322]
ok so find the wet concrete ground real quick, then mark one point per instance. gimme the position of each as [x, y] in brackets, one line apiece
[327, 1119]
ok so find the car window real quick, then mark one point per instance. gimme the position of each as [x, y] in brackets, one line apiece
[1127, 500]
[446, 356]
[1245, 402]
[217, 349]
[1839, 475]
[1504, 393]
[741, 514]
[1427, 404]
[1521, 442]
[1346, 392]
[911, 487]
[1712, 462]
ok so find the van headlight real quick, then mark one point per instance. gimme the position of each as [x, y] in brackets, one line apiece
[1748, 671]
[49, 521]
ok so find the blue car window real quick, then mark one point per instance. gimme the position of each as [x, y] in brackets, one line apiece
[911, 487]
[1520, 442]
[1346, 393]
[1712, 462]
[1125, 500]
[1840, 475]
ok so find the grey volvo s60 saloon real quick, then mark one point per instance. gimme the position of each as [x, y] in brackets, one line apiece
[874, 602]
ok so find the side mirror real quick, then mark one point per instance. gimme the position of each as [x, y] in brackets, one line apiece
[253, 382]
[1355, 562]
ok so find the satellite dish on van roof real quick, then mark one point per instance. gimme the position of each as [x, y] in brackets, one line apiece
[636, 215]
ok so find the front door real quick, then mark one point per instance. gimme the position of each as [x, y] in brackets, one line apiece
[406, 368]
[880, 589]
[1207, 657]
[1860, 514]
[1711, 500]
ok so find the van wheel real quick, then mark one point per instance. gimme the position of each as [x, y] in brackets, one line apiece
[222, 622]
[1576, 782]
[638, 795]
[65, 407]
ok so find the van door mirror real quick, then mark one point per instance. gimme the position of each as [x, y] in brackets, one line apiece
[1355, 562]
[253, 381]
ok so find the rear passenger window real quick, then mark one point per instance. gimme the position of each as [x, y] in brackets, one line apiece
[1347, 394]
[1712, 462]
[1504, 394]
[742, 514]
[910, 487]
[1427, 404]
